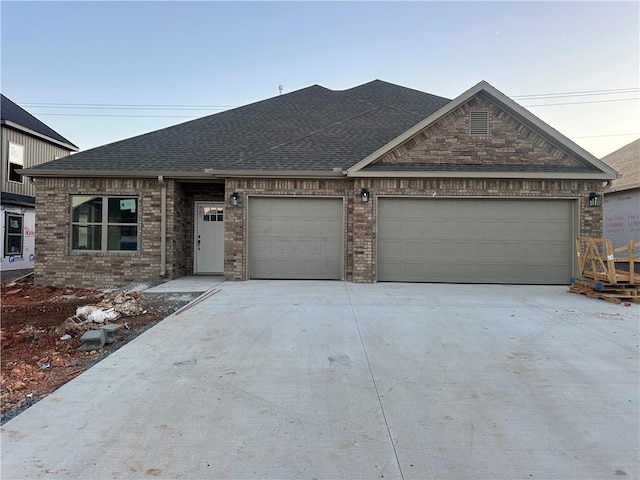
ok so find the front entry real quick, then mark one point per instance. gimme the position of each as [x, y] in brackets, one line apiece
[209, 238]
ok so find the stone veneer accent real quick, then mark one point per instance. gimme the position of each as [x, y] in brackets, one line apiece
[447, 142]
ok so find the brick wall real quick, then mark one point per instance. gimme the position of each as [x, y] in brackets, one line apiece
[235, 262]
[364, 248]
[56, 264]
[186, 196]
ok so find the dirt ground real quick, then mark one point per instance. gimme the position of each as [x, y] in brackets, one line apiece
[35, 360]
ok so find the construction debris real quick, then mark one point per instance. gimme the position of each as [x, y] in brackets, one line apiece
[89, 317]
[607, 273]
[35, 359]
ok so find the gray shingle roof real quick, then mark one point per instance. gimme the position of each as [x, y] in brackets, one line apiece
[626, 161]
[313, 129]
[12, 112]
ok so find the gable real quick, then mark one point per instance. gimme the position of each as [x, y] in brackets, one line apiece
[456, 141]
[508, 145]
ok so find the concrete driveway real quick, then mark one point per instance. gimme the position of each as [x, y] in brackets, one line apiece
[278, 379]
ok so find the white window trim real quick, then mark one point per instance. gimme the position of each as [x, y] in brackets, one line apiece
[105, 224]
[15, 157]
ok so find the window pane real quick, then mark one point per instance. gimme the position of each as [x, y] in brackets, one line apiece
[86, 237]
[122, 238]
[86, 209]
[14, 245]
[13, 175]
[14, 224]
[123, 210]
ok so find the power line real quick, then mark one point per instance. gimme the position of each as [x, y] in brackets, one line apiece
[140, 106]
[581, 103]
[196, 116]
[577, 94]
[612, 135]
[144, 106]
[111, 115]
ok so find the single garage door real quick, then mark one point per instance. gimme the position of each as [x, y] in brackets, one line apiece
[475, 240]
[297, 238]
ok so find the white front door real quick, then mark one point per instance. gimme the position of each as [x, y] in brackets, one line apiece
[209, 238]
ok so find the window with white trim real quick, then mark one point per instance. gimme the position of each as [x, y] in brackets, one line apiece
[16, 161]
[479, 123]
[13, 234]
[102, 223]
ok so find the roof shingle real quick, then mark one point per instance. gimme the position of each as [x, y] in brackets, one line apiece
[12, 112]
[314, 129]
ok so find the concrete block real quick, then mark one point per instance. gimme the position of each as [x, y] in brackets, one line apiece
[111, 332]
[93, 340]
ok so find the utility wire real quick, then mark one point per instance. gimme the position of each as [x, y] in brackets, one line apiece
[576, 94]
[144, 106]
[581, 103]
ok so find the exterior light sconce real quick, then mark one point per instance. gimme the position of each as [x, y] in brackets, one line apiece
[364, 195]
[234, 199]
[595, 200]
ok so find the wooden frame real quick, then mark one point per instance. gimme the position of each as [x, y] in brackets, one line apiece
[599, 261]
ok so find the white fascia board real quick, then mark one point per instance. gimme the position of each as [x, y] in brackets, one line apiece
[39, 135]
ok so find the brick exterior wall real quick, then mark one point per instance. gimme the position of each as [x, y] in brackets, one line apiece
[236, 257]
[186, 196]
[448, 142]
[57, 264]
[364, 248]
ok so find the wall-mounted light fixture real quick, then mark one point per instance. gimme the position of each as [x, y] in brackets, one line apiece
[595, 200]
[234, 199]
[364, 195]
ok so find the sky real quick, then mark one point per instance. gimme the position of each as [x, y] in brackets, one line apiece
[98, 72]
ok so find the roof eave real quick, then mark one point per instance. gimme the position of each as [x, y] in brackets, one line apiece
[35, 173]
[66, 145]
[338, 173]
[471, 174]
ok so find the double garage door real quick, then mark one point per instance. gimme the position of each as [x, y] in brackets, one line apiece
[475, 240]
[418, 239]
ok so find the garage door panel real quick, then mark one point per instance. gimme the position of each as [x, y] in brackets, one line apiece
[295, 238]
[474, 240]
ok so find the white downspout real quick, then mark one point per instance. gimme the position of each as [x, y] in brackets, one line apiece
[163, 228]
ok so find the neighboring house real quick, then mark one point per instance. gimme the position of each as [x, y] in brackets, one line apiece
[26, 142]
[622, 198]
[375, 183]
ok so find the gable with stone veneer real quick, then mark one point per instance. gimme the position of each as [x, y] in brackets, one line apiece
[447, 145]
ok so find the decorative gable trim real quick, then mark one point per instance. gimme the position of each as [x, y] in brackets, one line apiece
[604, 172]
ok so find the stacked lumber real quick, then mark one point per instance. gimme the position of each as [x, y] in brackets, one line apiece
[607, 273]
